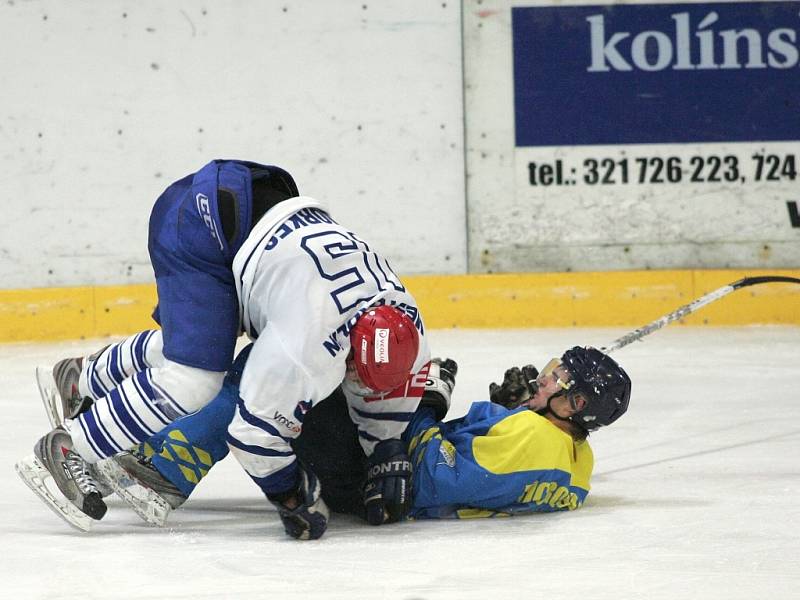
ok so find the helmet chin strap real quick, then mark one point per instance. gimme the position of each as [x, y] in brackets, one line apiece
[549, 410]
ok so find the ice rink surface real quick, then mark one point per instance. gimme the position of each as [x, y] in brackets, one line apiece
[695, 495]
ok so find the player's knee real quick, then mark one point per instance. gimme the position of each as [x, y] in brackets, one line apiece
[154, 349]
[188, 387]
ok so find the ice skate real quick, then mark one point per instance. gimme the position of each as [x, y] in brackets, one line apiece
[142, 487]
[76, 497]
[59, 390]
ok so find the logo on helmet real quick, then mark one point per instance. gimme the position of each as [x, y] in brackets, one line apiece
[381, 345]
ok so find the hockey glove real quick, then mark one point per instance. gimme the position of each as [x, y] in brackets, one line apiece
[308, 520]
[387, 491]
[439, 386]
[517, 388]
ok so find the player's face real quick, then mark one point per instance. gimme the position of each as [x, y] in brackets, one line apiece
[566, 405]
[352, 382]
[554, 378]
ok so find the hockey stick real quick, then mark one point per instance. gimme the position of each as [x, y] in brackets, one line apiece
[688, 309]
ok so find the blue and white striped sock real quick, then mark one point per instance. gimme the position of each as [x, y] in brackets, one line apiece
[115, 363]
[140, 406]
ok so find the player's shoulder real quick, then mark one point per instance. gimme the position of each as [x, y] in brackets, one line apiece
[486, 411]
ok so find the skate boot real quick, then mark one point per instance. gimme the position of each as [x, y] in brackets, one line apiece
[134, 478]
[77, 498]
[62, 400]
[59, 390]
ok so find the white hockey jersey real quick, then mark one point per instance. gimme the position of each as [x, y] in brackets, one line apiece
[302, 281]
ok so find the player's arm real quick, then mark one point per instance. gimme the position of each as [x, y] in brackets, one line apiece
[439, 385]
[517, 388]
[381, 421]
[387, 491]
[435, 401]
[275, 394]
[386, 417]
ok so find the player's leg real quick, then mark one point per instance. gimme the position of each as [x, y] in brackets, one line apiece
[198, 311]
[131, 369]
[129, 414]
[160, 474]
[140, 407]
[73, 384]
[109, 367]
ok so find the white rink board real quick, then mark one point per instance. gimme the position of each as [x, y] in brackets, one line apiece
[694, 496]
[106, 103]
[665, 206]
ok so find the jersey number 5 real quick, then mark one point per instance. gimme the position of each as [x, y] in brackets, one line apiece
[348, 263]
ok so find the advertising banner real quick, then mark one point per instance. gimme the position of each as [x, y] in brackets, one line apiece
[656, 73]
[659, 135]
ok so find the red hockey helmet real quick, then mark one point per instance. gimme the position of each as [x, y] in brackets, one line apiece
[385, 343]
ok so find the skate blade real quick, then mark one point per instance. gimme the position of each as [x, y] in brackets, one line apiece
[149, 506]
[35, 476]
[49, 394]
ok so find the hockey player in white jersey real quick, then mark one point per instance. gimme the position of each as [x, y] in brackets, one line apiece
[324, 310]
[350, 304]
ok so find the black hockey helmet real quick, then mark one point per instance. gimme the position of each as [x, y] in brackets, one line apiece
[604, 384]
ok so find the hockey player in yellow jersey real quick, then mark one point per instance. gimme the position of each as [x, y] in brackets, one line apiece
[526, 451]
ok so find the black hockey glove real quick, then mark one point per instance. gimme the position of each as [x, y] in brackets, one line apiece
[439, 386]
[387, 491]
[309, 519]
[517, 388]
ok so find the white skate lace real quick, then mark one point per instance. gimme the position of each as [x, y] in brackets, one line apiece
[80, 473]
